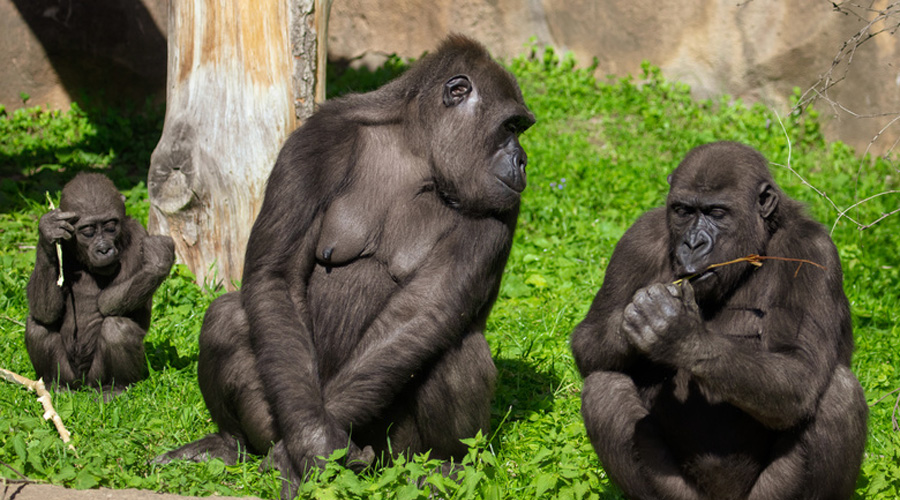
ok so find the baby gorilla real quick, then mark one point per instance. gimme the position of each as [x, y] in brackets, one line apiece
[90, 329]
[735, 384]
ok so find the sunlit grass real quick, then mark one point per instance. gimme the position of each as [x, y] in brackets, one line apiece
[598, 158]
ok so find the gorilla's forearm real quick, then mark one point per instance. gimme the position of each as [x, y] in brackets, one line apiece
[418, 324]
[285, 351]
[761, 383]
[46, 302]
[130, 295]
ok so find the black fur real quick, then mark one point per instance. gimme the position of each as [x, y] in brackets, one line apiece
[370, 272]
[735, 385]
[91, 330]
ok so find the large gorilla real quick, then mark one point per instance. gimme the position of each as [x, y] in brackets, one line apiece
[370, 272]
[90, 329]
[736, 383]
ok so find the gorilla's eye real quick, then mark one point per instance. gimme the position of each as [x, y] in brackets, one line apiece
[87, 232]
[717, 213]
[110, 227]
[682, 211]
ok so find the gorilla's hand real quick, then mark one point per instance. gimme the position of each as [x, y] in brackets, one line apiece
[296, 460]
[662, 318]
[54, 227]
[158, 254]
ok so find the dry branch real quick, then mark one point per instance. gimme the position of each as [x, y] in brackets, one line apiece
[753, 259]
[894, 421]
[842, 212]
[44, 397]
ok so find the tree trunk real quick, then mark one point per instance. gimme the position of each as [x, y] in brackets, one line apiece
[241, 76]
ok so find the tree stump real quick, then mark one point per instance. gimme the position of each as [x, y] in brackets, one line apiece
[242, 75]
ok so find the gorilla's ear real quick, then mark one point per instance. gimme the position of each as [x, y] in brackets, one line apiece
[669, 179]
[456, 90]
[768, 200]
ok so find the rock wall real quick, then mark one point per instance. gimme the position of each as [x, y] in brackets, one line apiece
[59, 51]
[757, 50]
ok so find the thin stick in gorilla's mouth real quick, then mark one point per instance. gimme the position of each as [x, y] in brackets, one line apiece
[753, 259]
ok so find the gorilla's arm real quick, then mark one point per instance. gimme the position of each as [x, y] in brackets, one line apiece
[46, 301]
[279, 260]
[426, 317]
[777, 382]
[639, 259]
[781, 383]
[155, 254]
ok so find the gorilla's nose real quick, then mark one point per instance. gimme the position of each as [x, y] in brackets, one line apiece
[696, 240]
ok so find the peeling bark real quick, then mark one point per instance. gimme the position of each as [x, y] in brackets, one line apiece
[241, 76]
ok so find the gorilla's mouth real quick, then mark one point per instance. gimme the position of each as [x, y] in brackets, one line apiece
[696, 277]
[511, 185]
[703, 275]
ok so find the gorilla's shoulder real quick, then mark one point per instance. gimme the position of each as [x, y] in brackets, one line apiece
[646, 240]
[650, 227]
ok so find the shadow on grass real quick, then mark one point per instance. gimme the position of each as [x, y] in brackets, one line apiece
[522, 390]
[40, 153]
[164, 355]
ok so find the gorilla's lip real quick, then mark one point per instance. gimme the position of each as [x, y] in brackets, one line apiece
[696, 276]
[511, 187]
[703, 275]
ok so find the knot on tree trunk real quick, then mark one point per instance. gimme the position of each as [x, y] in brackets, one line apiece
[172, 169]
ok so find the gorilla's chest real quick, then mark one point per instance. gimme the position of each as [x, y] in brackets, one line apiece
[744, 321]
[367, 253]
[398, 230]
[82, 310]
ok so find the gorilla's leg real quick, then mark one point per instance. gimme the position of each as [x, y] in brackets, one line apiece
[231, 388]
[119, 357]
[837, 439]
[627, 441]
[823, 463]
[228, 376]
[453, 402]
[48, 354]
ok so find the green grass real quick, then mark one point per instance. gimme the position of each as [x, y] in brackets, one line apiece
[598, 158]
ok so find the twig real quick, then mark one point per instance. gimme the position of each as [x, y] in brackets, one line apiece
[23, 476]
[6, 482]
[894, 421]
[753, 259]
[894, 415]
[842, 212]
[44, 397]
[802, 179]
[876, 221]
[59, 282]
[11, 320]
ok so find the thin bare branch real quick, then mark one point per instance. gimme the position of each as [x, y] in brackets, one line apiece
[753, 259]
[842, 212]
[14, 321]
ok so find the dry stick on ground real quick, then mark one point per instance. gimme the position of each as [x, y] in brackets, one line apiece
[44, 397]
[754, 259]
[14, 321]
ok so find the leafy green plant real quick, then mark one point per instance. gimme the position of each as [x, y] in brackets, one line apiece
[598, 158]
